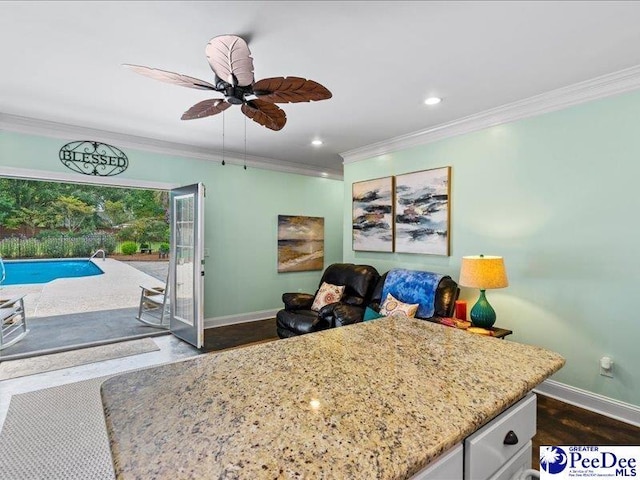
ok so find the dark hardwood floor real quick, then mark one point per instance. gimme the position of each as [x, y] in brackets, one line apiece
[558, 423]
[231, 336]
[562, 424]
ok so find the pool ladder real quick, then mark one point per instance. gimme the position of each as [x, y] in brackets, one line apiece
[104, 255]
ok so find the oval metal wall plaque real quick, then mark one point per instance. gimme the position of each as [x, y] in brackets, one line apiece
[93, 158]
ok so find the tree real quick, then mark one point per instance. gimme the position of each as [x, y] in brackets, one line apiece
[117, 212]
[34, 204]
[28, 217]
[6, 205]
[145, 203]
[72, 212]
[143, 230]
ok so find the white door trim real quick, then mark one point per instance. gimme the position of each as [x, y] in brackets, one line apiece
[33, 174]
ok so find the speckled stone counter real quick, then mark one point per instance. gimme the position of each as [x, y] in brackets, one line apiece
[376, 400]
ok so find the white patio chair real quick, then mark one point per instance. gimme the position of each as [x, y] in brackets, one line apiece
[154, 306]
[14, 321]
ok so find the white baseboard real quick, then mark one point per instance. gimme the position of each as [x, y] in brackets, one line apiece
[625, 412]
[240, 318]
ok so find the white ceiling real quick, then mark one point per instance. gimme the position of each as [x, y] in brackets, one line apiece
[61, 62]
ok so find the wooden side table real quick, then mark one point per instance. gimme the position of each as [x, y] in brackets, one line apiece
[500, 332]
[496, 332]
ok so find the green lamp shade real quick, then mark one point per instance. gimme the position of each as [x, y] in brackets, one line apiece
[482, 314]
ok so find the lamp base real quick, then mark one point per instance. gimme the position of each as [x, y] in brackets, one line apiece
[482, 314]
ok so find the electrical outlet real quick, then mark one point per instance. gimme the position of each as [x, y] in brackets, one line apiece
[206, 252]
[606, 367]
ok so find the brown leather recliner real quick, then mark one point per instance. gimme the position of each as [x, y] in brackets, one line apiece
[297, 318]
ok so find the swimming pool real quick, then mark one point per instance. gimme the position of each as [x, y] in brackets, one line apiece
[43, 271]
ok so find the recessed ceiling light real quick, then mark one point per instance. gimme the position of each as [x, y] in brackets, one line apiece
[324, 174]
[432, 101]
[316, 143]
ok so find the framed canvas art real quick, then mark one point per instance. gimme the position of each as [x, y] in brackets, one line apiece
[300, 243]
[422, 212]
[372, 215]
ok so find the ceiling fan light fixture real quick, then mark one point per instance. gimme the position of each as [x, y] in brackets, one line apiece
[316, 143]
[432, 101]
[234, 100]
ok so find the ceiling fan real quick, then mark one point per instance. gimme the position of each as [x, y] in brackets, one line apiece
[231, 62]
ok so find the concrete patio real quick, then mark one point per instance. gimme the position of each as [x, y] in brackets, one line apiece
[118, 287]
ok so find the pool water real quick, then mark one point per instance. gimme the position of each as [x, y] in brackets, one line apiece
[43, 271]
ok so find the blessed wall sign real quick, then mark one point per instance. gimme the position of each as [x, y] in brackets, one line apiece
[93, 158]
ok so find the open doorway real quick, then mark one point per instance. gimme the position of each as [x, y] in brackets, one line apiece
[44, 223]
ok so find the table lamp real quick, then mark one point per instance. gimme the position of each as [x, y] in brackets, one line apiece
[482, 272]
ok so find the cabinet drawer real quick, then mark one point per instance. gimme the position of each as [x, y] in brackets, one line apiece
[485, 451]
[514, 469]
[449, 465]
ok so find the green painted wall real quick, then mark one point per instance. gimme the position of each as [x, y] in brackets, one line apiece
[241, 212]
[556, 196]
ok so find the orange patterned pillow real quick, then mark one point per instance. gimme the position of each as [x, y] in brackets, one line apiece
[392, 306]
[327, 294]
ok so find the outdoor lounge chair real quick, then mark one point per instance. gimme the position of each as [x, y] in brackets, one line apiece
[154, 306]
[14, 321]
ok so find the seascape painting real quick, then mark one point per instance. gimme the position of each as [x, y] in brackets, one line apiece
[300, 243]
[372, 215]
[422, 212]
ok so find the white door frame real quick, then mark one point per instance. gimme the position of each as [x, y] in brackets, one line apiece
[45, 175]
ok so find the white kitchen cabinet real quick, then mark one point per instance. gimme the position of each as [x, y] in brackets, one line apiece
[500, 450]
[448, 466]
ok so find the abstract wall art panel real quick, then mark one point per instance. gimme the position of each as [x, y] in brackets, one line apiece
[372, 214]
[300, 243]
[422, 212]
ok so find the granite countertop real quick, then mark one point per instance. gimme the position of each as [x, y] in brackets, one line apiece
[380, 399]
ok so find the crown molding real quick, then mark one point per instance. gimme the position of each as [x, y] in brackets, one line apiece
[47, 128]
[600, 87]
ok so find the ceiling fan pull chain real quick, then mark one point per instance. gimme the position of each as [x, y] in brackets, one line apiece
[223, 139]
[245, 142]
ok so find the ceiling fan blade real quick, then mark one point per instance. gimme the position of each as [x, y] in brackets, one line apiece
[206, 108]
[230, 59]
[290, 90]
[266, 114]
[170, 77]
